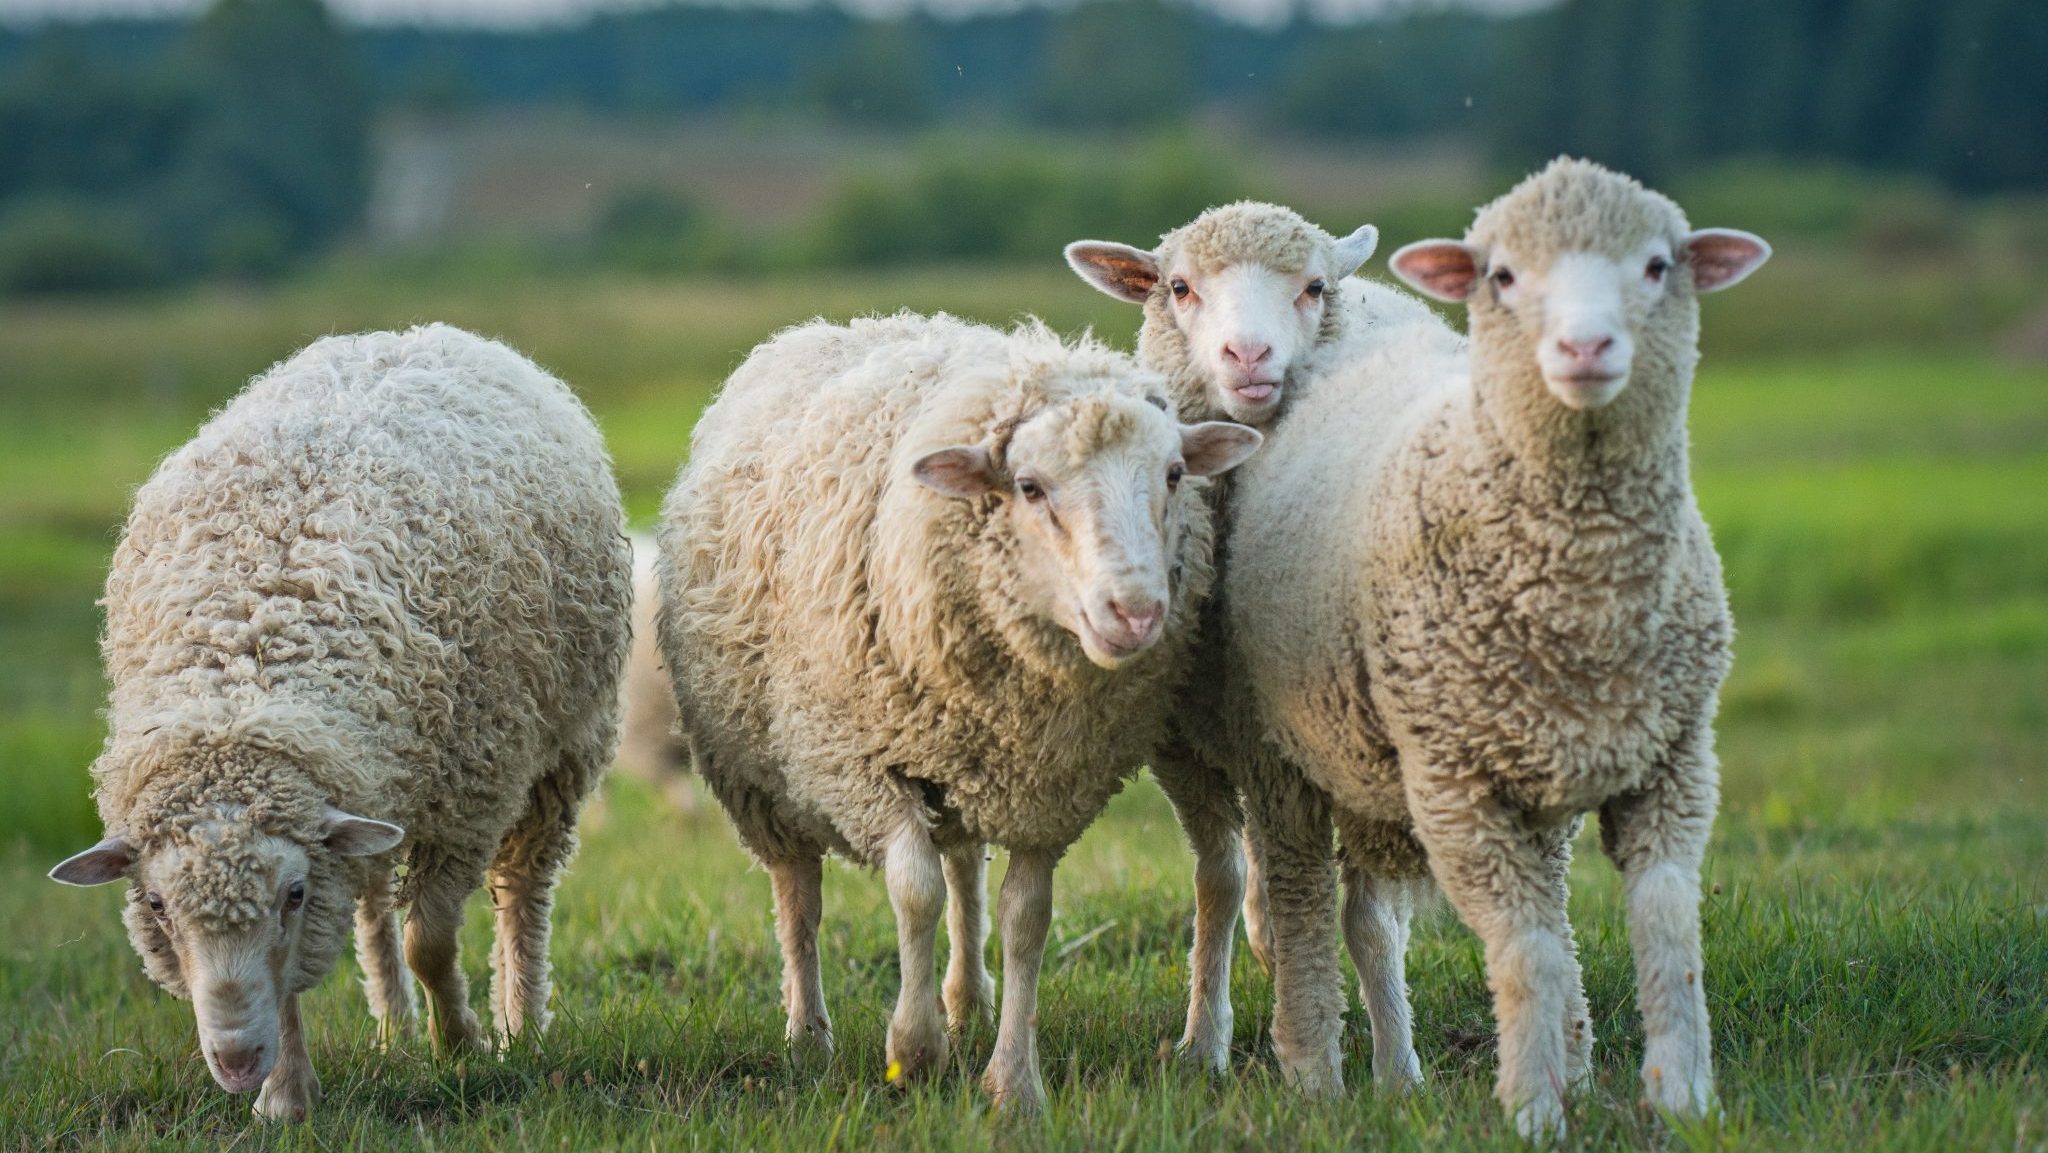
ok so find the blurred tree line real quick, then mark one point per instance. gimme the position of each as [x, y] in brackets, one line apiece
[229, 145]
[138, 151]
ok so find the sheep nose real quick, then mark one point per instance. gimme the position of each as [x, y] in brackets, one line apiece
[1138, 618]
[1247, 354]
[1586, 351]
[239, 1064]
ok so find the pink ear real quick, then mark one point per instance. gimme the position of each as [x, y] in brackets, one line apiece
[1723, 256]
[1217, 446]
[964, 471]
[1118, 269]
[107, 861]
[1444, 269]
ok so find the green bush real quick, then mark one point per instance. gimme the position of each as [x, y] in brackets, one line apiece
[657, 230]
[58, 246]
[1019, 200]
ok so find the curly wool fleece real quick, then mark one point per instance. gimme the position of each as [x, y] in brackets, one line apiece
[389, 577]
[842, 641]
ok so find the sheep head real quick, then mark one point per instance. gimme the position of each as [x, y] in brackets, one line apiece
[1577, 269]
[1090, 489]
[1246, 291]
[238, 898]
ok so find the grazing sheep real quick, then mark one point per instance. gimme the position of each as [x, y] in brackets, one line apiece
[928, 586]
[1244, 306]
[1474, 599]
[379, 601]
[650, 748]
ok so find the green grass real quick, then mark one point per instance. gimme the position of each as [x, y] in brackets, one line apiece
[1876, 929]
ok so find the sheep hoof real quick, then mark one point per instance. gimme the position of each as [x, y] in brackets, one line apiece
[1670, 1088]
[1018, 1092]
[916, 1047]
[810, 1043]
[1208, 1053]
[1400, 1079]
[463, 1036]
[288, 1098]
[1315, 1070]
[1541, 1119]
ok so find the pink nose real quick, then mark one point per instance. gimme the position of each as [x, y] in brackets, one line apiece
[1587, 351]
[239, 1065]
[1245, 354]
[1138, 620]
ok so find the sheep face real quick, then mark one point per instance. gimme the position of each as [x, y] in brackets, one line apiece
[1246, 290]
[235, 918]
[1091, 491]
[1578, 264]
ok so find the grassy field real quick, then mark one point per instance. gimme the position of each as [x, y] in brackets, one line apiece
[1876, 929]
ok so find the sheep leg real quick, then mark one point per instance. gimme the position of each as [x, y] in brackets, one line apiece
[1214, 825]
[1012, 1077]
[1376, 917]
[522, 880]
[1657, 838]
[917, 892]
[434, 951]
[1293, 820]
[970, 991]
[1258, 927]
[799, 904]
[386, 984]
[1497, 875]
[293, 1088]
[1578, 1017]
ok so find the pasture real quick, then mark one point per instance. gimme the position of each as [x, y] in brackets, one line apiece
[1876, 926]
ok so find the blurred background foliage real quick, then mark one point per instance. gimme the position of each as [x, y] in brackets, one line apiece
[263, 133]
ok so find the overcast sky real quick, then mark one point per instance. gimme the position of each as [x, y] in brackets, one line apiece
[527, 13]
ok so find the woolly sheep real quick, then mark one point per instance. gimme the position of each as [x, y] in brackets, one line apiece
[378, 603]
[927, 586]
[1244, 306]
[1473, 599]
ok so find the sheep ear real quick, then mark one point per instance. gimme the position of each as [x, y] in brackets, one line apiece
[1723, 256]
[107, 861]
[1354, 250]
[1444, 269]
[1217, 446]
[1122, 271]
[964, 470]
[353, 836]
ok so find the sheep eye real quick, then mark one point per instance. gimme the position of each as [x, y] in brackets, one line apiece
[1180, 289]
[295, 896]
[1658, 267]
[1503, 278]
[1315, 289]
[1173, 474]
[155, 903]
[1030, 489]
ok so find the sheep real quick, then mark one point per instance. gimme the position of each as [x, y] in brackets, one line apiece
[650, 749]
[927, 586]
[1471, 599]
[1243, 306]
[378, 604]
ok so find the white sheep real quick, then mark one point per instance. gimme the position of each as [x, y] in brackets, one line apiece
[373, 613]
[927, 586]
[1245, 306]
[1472, 598]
